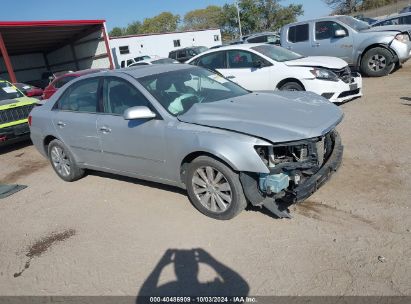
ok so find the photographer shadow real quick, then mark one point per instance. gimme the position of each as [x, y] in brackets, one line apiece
[186, 268]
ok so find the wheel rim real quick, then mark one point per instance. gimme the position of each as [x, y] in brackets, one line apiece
[212, 189]
[377, 62]
[60, 161]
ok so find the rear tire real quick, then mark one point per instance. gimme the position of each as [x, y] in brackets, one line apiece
[214, 188]
[291, 86]
[63, 162]
[377, 62]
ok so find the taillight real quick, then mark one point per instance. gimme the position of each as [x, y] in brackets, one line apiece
[29, 120]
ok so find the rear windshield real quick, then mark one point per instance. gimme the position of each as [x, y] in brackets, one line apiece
[356, 24]
[276, 53]
[8, 91]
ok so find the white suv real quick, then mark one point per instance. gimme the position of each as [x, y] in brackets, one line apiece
[264, 67]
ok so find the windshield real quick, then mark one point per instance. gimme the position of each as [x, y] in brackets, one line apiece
[356, 24]
[276, 53]
[8, 91]
[178, 91]
[164, 60]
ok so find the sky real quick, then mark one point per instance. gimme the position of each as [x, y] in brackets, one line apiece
[122, 12]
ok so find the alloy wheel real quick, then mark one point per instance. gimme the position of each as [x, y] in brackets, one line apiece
[377, 62]
[212, 189]
[60, 161]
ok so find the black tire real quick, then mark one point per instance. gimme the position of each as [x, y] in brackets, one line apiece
[66, 160]
[291, 86]
[377, 62]
[238, 201]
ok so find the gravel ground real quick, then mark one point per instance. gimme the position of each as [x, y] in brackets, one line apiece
[108, 235]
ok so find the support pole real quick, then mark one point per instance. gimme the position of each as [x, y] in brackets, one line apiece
[103, 28]
[7, 61]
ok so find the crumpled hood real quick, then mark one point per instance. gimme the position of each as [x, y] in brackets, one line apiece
[318, 61]
[276, 117]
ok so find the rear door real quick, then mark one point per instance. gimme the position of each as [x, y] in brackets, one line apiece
[135, 146]
[298, 38]
[74, 118]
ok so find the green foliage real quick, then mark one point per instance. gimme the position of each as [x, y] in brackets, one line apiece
[255, 15]
[205, 18]
[164, 22]
[352, 6]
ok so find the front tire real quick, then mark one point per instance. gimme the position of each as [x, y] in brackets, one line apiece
[63, 162]
[291, 86]
[214, 188]
[377, 62]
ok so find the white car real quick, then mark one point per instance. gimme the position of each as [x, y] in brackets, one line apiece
[157, 60]
[265, 67]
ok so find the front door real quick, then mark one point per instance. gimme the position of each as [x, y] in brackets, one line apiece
[74, 119]
[325, 43]
[241, 69]
[134, 146]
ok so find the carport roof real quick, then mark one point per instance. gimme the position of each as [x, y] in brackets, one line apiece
[24, 37]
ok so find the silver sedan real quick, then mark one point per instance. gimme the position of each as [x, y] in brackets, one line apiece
[188, 127]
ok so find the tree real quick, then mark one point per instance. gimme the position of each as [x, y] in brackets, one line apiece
[164, 22]
[133, 28]
[116, 31]
[209, 17]
[352, 6]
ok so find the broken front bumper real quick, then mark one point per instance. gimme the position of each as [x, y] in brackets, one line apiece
[279, 203]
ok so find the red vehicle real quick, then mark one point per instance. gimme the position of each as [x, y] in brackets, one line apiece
[59, 81]
[29, 90]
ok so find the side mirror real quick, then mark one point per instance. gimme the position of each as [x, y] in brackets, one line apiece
[139, 112]
[340, 33]
[257, 64]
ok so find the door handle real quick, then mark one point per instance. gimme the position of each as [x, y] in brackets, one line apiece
[230, 77]
[316, 44]
[61, 124]
[105, 129]
[288, 47]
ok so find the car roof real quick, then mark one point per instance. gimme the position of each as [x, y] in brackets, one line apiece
[242, 46]
[81, 72]
[152, 69]
[393, 16]
[188, 47]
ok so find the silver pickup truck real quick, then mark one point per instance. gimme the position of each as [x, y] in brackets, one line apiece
[373, 51]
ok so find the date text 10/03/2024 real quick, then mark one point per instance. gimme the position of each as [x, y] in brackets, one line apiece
[203, 300]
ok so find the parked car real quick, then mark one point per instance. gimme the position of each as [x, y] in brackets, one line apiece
[395, 20]
[406, 9]
[154, 61]
[14, 111]
[29, 90]
[264, 37]
[127, 62]
[374, 51]
[185, 126]
[264, 67]
[63, 79]
[182, 55]
[366, 19]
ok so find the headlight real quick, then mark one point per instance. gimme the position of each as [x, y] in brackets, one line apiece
[403, 37]
[324, 74]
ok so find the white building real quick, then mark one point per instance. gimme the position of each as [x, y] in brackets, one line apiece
[126, 47]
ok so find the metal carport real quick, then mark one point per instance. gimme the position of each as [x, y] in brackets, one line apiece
[30, 48]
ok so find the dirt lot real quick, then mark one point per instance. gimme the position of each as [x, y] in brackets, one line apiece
[106, 235]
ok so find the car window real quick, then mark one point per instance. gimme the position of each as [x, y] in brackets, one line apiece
[8, 91]
[81, 96]
[119, 95]
[181, 54]
[298, 33]
[238, 59]
[212, 61]
[62, 81]
[258, 39]
[406, 20]
[393, 21]
[177, 91]
[326, 29]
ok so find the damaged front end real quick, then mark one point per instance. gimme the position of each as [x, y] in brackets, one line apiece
[297, 169]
